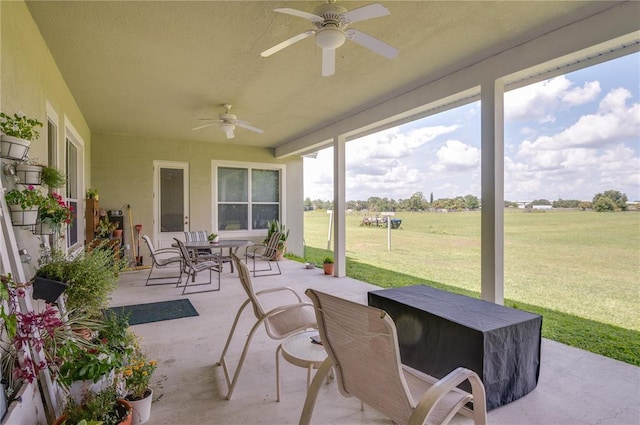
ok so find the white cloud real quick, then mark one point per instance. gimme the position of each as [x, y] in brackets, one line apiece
[393, 142]
[614, 122]
[538, 101]
[457, 156]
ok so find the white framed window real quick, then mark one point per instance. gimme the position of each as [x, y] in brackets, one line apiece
[246, 196]
[74, 169]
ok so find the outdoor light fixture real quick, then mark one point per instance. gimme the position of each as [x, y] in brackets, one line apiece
[228, 129]
[330, 38]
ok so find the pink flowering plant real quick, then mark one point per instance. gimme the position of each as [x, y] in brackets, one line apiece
[55, 211]
[27, 332]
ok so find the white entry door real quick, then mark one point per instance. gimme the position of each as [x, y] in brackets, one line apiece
[171, 206]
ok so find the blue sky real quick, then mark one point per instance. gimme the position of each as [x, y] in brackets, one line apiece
[568, 137]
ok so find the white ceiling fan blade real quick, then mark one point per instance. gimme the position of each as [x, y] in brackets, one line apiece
[300, 14]
[375, 10]
[372, 43]
[287, 43]
[328, 62]
[248, 126]
[205, 126]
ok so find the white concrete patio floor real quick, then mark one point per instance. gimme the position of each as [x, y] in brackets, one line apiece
[575, 386]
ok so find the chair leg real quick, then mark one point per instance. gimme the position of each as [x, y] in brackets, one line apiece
[231, 382]
[312, 393]
[153, 267]
[184, 288]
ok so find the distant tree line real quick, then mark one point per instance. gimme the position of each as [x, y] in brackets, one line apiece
[610, 200]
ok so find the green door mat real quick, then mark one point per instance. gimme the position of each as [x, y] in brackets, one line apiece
[156, 312]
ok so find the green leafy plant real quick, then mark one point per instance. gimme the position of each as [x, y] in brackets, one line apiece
[26, 198]
[274, 226]
[53, 178]
[96, 408]
[105, 229]
[91, 275]
[19, 126]
[327, 260]
[92, 193]
[212, 236]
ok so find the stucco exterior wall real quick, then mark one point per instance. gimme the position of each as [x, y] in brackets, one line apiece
[29, 80]
[122, 168]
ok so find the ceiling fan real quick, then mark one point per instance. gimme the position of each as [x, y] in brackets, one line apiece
[332, 29]
[228, 123]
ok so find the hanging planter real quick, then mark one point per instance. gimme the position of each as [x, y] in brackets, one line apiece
[43, 228]
[17, 133]
[23, 216]
[29, 174]
[47, 289]
[13, 147]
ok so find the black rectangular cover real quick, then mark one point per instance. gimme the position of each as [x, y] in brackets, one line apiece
[439, 331]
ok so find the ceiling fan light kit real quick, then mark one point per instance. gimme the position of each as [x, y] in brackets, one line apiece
[331, 23]
[330, 38]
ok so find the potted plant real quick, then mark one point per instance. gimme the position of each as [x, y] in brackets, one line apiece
[274, 226]
[92, 193]
[18, 132]
[213, 238]
[327, 265]
[24, 205]
[52, 214]
[50, 280]
[105, 229]
[53, 178]
[29, 172]
[20, 330]
[92, 276]
[100, 408]
[137, 375]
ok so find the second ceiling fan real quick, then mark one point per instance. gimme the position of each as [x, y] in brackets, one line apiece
[332, 29]
[228, 122]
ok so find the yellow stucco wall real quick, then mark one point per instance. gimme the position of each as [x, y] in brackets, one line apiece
[29, 81]
[30, 78]
[122, 168]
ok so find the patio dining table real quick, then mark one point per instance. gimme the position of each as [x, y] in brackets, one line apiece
[232, 244]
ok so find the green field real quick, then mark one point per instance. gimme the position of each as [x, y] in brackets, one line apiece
[580, 269]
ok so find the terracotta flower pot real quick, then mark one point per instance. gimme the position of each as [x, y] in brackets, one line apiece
[328, 268]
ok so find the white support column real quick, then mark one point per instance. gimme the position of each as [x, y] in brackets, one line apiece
[492, 223]
[339, 206]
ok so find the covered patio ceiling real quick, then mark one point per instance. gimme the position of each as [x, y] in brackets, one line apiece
[153, 68]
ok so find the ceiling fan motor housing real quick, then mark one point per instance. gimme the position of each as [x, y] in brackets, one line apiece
[330, 34]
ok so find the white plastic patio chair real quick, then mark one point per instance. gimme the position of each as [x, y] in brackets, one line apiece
[279, 322]
[362, 345]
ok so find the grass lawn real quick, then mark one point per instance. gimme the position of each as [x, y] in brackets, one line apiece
[579, 269]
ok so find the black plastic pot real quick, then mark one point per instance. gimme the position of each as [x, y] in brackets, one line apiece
[47, 289]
